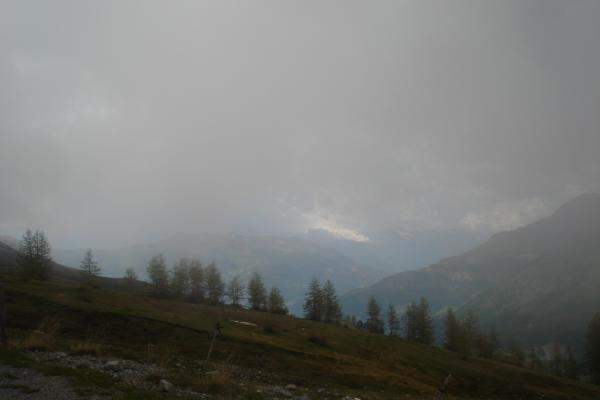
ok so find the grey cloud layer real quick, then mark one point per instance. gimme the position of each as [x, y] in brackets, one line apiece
[123, 121]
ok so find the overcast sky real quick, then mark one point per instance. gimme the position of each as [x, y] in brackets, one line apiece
[123, 122]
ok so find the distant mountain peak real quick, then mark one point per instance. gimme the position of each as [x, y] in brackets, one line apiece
[583, 202]
[527, 282]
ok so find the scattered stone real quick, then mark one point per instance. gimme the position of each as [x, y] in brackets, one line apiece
[291, 386]
[281, 391]
[166, 386]
[112, 365]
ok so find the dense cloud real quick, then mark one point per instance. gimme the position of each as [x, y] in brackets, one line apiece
[127, 121]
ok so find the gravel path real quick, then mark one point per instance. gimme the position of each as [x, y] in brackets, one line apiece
[25, 384]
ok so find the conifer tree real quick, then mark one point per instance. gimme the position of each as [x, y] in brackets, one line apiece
[411, 322]
[215, 287]
[157, 273]
[516, 351]
[313, 301]
[180, 278]
[33, 260]
[592, 348]
[534, 362]
[470, 331]
[571, 368]
[556, 360]
[332, 312]
[197, 281]
[257, 294]
[130, 279]
[235, 291]
[374, 322]
[493, 340]
[275, 302]
[452, 331]
[89, 267]
[424, 323]
[393, 321]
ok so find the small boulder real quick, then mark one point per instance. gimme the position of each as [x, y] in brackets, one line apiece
[166, 386]
[112, 365]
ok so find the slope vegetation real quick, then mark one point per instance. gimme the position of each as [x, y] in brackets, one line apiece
[324, 361]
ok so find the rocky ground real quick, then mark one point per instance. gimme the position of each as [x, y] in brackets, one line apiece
[23, 383]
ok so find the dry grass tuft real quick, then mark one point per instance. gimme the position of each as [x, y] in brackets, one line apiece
[43, 338]
[86, 347]
[159, 355]
[218, 381]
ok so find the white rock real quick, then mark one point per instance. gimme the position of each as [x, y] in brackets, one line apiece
[166, 386]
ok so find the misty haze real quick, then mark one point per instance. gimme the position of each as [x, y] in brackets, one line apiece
[300, 200]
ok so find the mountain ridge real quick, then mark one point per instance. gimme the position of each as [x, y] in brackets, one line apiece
[516, 277]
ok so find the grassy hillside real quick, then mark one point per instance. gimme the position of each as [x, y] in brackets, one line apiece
[323, 360]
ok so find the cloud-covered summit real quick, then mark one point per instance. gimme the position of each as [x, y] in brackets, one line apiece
[127, 121]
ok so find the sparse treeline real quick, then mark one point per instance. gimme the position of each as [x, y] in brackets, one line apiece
[463, 335]
[416, 322]
[592, 348]
[321, 302]
[34, 259]
[190, 280]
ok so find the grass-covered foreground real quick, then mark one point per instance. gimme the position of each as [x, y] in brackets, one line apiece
[315, 360]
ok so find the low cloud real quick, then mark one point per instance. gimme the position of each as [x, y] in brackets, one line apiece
[122, 122]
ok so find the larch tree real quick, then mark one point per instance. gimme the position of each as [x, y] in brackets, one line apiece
[424, 323]
[257, 294]
[180, 278]
[197, 281]
[215, 287]
[452, 331]
[592, 348]
[33, 260]
[470, 331]
[88, 265]
[571, 368]
[130, 279]
[275, 302]
[313, 301]
[332, 311]
[494, 341]
[157, 273]
[374, 321]
[393, 321]
[411, 322]
[235, 291]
